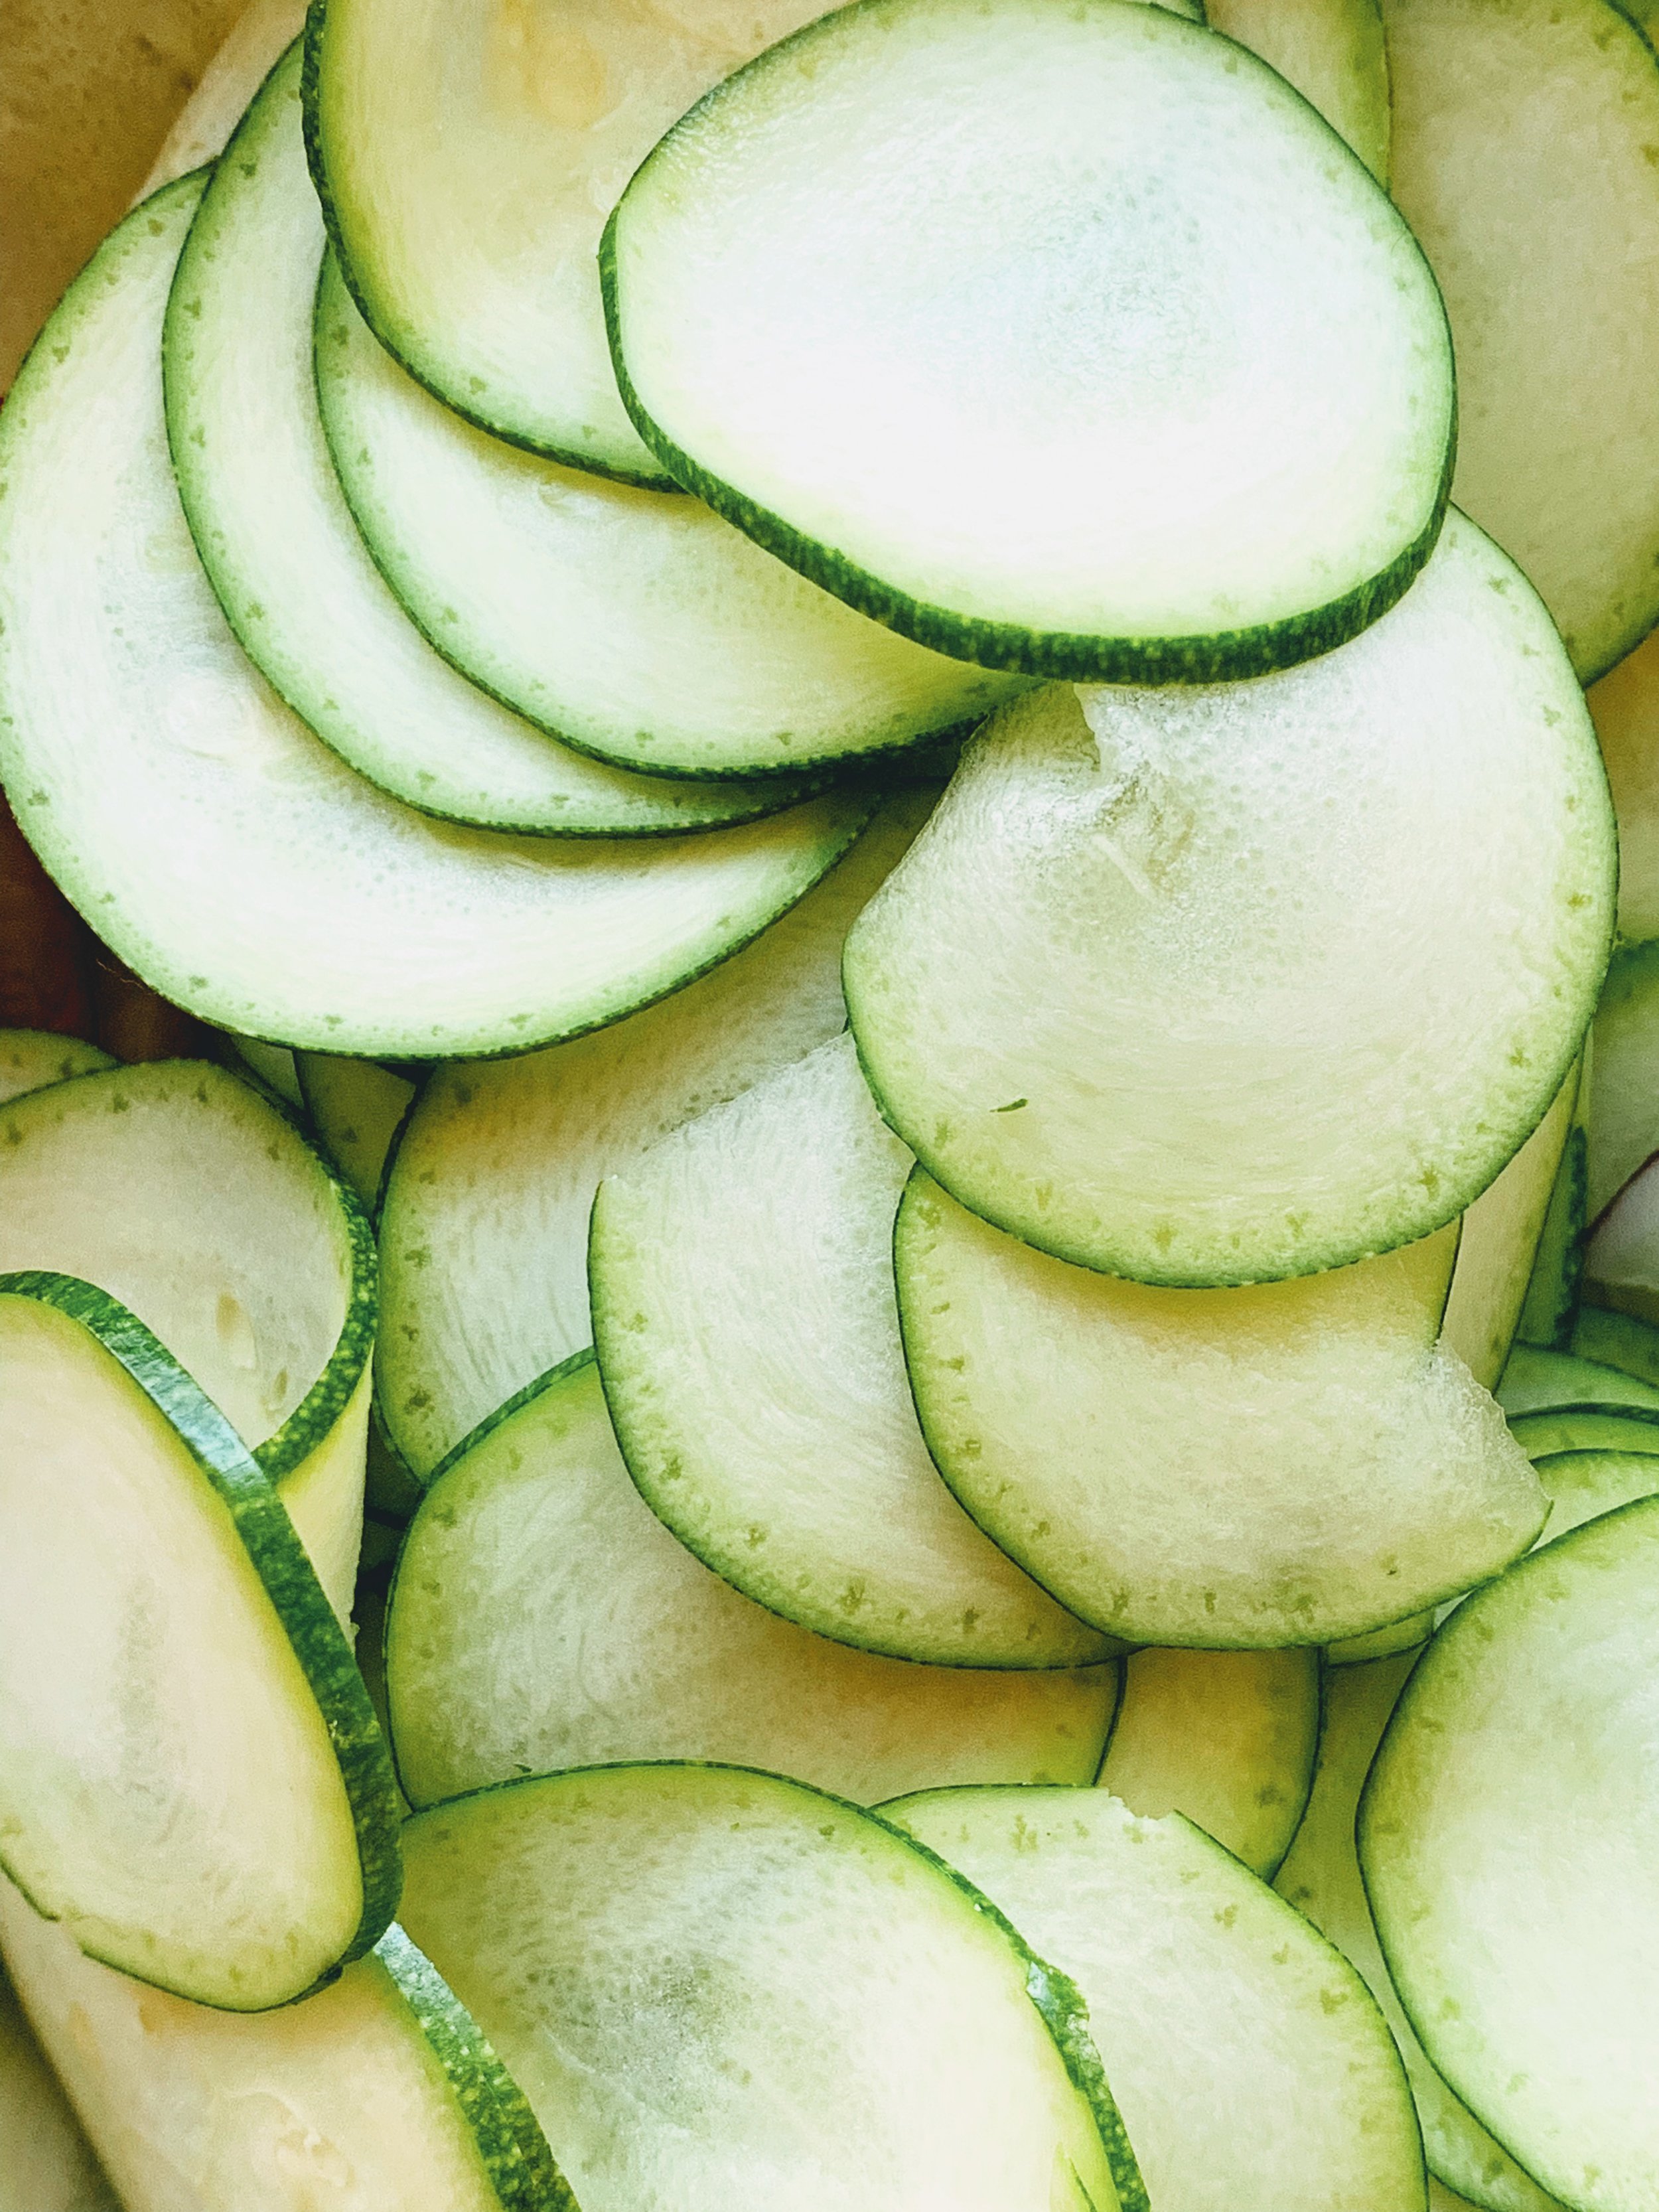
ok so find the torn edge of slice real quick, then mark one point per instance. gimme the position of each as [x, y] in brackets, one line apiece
[184, 1720]
[749, 1342]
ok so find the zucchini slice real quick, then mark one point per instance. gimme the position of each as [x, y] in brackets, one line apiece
[1617, 1340]
[1584, 1485]
[492, 1180]
[1498, 1242]
[284, 554]
[542, 1618]
[1238, 2042]
[1063, 339]
[378, 2092]
[190, 1775]
[357, 1108]
[1590, 1428]
[182, 1192]
[642, 629]
[1287, 1463]
[1225, 1738]
[48, 2165]
[1521, 156]
[1623, 1098]
[723, 1992]
[1506, 1837]
[1332, 51]
[1558, 1267]
[1219, 1080]
[255, 42]
[217, 846]
[1538, 1381]
[1625, 707]
[32, 1058]
[1621, 1261]
[744, 1316]
[1321, 1878]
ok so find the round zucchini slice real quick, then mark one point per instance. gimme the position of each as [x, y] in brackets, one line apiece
[1333, 53]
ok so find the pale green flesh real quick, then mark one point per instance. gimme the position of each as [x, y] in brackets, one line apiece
[357, 1108]
[273, 1064]
[1623, 1120]
[1321, 1878]
[283, 554]
[49, 2166]
[746, 1331]
[722, 1992]
[1621, 1261]
[1617, 1340]
[494, 1179]
[1626, 706]
[1558, 1267]
[1020, 431]
[1226, 1738]
[1538, 1381]
[644, 630]
[1583, 1484]
[1498, 1242]
[1219, 1081]
[542, 1618]
[1286, 1464]
[1587, 1428]
[1250, 2065]
[30, 1060]
[224, 851]
[1382, 1643]
[1506, 1837]
[1332, 52]
[1522, 159]
[141, 1654]
[195, 2111]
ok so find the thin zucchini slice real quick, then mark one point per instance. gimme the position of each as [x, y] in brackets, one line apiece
[1537, 1381]
[1284, 1464]
[272, 1065]
[723, 1992]
[642, 629]
[1506, 1837]
[284, 554]
[1332, 52]
[190, 1775]
[177, 1188]
[744, 1316]
[1321, 1878]
[1621, 1259]
[1498, 1242]
[492, 1180]
[1219, 1081]
[256, 42]
[1558, 1267]
[217, 846]
[542, 1618]
[1067, 340]
[1383, 1643]
[1626, 706]
[378, 2092]
[1583, 1484]
[48, 2165]
[1587, 1428]
[1248, 2061]
[357, 1107]
[1521, 156]
[1225, 1738]
[32, 1058]
[1617, 1340]
[1624, 1114]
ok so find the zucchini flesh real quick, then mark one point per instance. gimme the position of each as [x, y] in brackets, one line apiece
[1238, 2042]
[282, 553]
[1558, 1267]
[252, 45]
[1626, 706]
[1538, 1381]
[32, 1058]
[723, 1992]
[1497, 1245]
[492, 1180]
[357, 1107]
[378, 2092]
[48, 2165]
[643, 630]
[1321, 1877]
[1287, 1463]
[1584, 1485]
[747, 1335]
[1219, 1081]
[1505, 1839]
[158, 1620]
[220, 849]
[1225, 1738]
[1624, 1118]
[1067, 340]
[1617, 1340]
[1522, 159]
[542, 1618]
[1587, 1428]
[1621, 1261]
[179, 1191]
[1332, 52]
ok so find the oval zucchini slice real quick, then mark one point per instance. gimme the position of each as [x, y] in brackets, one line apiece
[1505, 1839]
[1219, 1081]
[49, 2164]
[726, 1992]
[542, 1617]
[1522, 158]
[30, 1060]
[1238, 2042]
[1332, 52]
[1117, 394]
[1225, 1738]
[744, 1320]
[380, 2086]
[216, 845]
[184, 1720]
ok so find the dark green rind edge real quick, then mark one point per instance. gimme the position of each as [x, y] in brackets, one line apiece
[279, 1560]
[66, 1045]
[513, 2149]
[1549, 1430]
[1551, 1300]
[1216, 657]
[1472, 1618]
[1129, 1638]
[635, 1459]
[1053, 1996]
[315, 33]
[802, 775]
